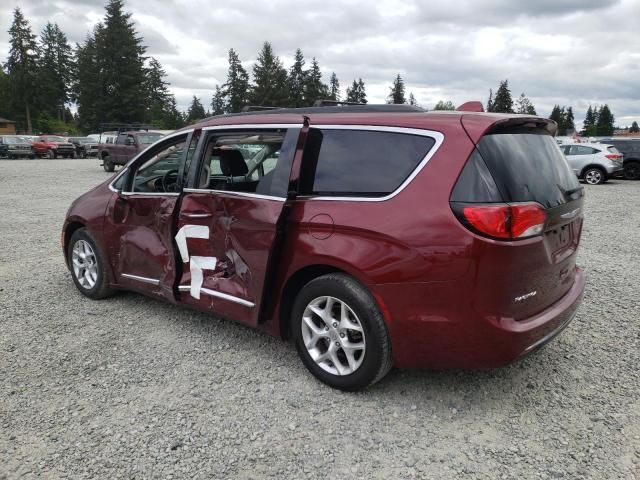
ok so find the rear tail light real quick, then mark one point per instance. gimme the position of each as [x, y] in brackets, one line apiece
[611, 156]
[504, 221]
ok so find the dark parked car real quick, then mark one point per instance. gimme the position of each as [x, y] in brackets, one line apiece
[12, 146]
[630, 148]
[85, 146]
[126, 146]
[371, 235]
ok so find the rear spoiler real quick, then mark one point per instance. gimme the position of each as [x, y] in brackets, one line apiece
[477, 126]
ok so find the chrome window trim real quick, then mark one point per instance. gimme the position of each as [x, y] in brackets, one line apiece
[150, 194]
[238, 194]
[437, 136]
[224, 296]
[152, 281]
[126, 166]
[266, 126]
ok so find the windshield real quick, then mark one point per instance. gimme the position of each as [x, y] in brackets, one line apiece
[14, 141]
[149, 138]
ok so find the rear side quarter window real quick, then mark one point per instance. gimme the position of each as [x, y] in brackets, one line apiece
[365, 163]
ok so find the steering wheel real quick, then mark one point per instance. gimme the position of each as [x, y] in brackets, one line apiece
[170, 181]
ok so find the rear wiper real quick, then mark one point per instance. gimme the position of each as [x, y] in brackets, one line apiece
[573, 190]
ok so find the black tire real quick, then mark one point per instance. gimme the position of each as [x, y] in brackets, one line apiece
[377, 354]
[632, 170]
[101, 289]
[51, 154]
[32, 156]
[594, 176]
[107, 164]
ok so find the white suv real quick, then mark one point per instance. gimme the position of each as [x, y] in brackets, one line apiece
[594, 163]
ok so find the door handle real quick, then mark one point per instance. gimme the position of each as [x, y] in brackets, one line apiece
[196, 215]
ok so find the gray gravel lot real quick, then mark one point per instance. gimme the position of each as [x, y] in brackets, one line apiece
[133, 388]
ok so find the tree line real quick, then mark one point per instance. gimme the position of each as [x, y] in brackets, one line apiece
[599, 121]
[110, 79]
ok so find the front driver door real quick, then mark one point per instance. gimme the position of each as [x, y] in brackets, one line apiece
[230, 217]
[140, 219]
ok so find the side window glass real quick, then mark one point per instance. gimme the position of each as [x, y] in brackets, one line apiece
[360, 163]
[160, 168]
[244, 161]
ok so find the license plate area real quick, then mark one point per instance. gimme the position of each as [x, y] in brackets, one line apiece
[560, 241]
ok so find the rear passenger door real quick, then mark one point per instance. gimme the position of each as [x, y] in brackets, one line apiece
[578, 157]
[230, 219]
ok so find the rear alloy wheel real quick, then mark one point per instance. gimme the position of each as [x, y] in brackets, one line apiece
[88, 266]
[107, 164]
[632, 170]
[594, 176]
[340, 333]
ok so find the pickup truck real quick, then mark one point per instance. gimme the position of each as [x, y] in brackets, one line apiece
[52, 146]
[126, 146]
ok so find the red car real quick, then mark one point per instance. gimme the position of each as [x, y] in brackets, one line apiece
[371, 235]
[53, 146]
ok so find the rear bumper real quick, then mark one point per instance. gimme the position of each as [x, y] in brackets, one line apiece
[454, 336]
[615, 170]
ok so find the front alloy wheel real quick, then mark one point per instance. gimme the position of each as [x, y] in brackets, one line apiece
[88, 267]
[594, 176]
[85, 264]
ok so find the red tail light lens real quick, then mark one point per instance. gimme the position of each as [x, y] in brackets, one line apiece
[507, 222]
[611, 156]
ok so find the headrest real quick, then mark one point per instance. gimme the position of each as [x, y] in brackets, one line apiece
[232, 163]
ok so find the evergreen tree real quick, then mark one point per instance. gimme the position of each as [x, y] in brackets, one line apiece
[396, 96]
[87, 89]
[5, 104]
[334, 88]
[236, 89]
[490, 101]
[352, 93]
[634, 128]
[448, 105]
[172, 118]
[357, 93]
[120, 55]
[160, 102]
[589, 124]
[314, 88]
[218, 102]
[22, 68]
[569, 121]
[606, 120]
[296, 82]
[196, 111]
[55, 72]
[503, 103]
[557, 116]
[412, 100]
[524, 105]
[270, 80]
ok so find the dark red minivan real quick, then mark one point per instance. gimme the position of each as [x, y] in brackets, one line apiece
[371, 235]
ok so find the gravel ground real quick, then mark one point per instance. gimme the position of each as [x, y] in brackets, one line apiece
[133, 388]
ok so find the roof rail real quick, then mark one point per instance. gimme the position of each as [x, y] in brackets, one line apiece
[257, 108]
[334, 103]
[125, 127]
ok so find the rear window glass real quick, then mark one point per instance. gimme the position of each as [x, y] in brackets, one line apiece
[528, 167]
[361, 163]
[613, 150]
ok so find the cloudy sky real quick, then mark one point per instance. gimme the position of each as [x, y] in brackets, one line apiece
[569, 52]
